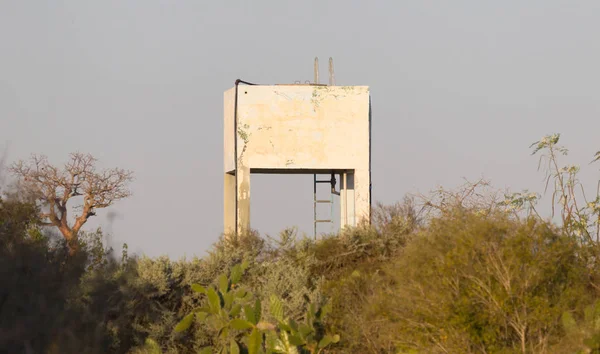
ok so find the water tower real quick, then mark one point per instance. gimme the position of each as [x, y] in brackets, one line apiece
[299, 128]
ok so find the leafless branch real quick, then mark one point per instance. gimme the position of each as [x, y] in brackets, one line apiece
[54, 187]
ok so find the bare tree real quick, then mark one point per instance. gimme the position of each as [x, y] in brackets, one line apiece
[54, 187]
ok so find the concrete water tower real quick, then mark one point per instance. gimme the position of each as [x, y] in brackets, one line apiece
[298, 128]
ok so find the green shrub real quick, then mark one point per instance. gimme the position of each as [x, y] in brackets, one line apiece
[467, 283]
[234, 315]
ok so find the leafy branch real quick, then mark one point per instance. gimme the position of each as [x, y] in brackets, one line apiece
[579, 219]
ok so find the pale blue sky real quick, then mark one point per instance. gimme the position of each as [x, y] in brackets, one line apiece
[459, 89]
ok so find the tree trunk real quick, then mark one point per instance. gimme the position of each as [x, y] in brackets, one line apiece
[73, 245]
[71, 238]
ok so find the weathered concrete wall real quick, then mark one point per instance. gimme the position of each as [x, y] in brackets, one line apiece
[295, 127]
[308, 127]
[228, 125]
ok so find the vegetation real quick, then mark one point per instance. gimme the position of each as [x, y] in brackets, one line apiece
[52, 188]
[470, 270]
[234, 330]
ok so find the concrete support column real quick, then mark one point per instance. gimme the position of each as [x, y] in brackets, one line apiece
[241, 211]
[243, 195]
[362, 207]
[347, 195]
[229, 196]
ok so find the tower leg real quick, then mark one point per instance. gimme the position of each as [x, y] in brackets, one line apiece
[237, 202]
[229, 198]
[362, 199]
[243, 199]
[347, 193]
[355, 205]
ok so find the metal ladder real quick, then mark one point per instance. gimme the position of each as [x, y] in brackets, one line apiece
[317, 201]
[331, 181]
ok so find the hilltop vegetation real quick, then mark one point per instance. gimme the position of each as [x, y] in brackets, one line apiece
[463, 271]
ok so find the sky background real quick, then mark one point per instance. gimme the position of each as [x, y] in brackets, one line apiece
[459, 90]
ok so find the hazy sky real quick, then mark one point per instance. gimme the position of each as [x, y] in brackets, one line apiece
[459, 89]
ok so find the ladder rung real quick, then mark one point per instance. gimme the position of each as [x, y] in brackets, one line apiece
[328, 181]
[322, 201]
[322, 221]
